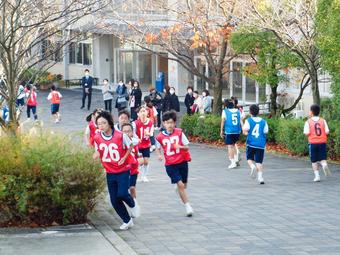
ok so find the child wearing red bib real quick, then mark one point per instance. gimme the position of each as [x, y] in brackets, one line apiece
[54, 96]
[91, 128]
[316, 130]
[176, 154]
[144, 130]
[113, 149]
[32, 103]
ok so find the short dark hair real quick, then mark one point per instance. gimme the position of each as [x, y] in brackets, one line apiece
[169, 115]
[125, 125]
[97, 110]
[235, 101]
[206, 92]
[86, 70]
[121, 112]
[106, 115]
[141, 107]
[315, 109]
[106, 80]
[254, 110]
[53, 87]
[190, 87]
[147, 99]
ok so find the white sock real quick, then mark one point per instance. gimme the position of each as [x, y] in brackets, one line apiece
[324, 165]
[316, 173]
[146, 168]
[236, 158]
[142, 170]
[259, 175]
[253, 166]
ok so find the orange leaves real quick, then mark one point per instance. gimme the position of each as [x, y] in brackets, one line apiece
[150, 38]
[196, 41]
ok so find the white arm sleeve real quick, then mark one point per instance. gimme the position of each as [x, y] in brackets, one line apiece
[158, 145]
[223, 115]
[126, 141]
[266, 129]
[246, 126]
[326, 127]
[185, 140]
[306, 130]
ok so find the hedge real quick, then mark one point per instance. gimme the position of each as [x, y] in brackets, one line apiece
[46, 180]
[285, 132]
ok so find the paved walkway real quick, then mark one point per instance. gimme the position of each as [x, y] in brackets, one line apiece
[233, 214]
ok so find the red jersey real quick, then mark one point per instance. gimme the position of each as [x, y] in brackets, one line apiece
[141, 128]
[317, 131]
[111, 151]
[55, 97]
[173, 156]
[32, 100]
[134, 161]
[93, 130]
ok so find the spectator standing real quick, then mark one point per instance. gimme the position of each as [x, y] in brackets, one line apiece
[86, 83]
[157, 101]
[135, 100]
[189, 100]
[107, 91]
[122, 96]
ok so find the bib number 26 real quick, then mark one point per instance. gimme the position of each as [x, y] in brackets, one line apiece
[110, 152]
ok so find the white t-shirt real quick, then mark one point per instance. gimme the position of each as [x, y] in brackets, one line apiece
[306, 130]
[21, 92]
[246, 125]
[185, 140]
[49, 97]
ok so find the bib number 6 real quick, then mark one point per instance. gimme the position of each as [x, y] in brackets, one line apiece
[110, 152]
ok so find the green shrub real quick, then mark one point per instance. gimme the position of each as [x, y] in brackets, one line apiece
[189, 123]
[45, 179]
[290, 135]
[273, 125]
[333, 145]
[208, 127]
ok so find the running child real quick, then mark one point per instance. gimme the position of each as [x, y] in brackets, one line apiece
[113, 148]
[243, 116]
[128, 130]
[32, 103]
[91, 128]
[231, 127]
[255, 128]
[144, 130]
[176, 154]
[152, 115]
[54, 96]
[316, 130]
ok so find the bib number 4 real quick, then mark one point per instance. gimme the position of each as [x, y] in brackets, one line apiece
[256, 131]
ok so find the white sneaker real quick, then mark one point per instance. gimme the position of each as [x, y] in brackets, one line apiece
[152, 148]
[326, 170]
[126, 226]
[260, 180]
[189, 210]
[145, 179]
[232, 165]
[316, 179]
[253, 172]
[135, 211]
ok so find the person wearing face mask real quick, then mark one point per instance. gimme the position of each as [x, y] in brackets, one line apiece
[86, 83]
[189, 100]
[135, 99]
[170, 100]
[157, 100]
[206, 102]
[107, 95]
[122, 96]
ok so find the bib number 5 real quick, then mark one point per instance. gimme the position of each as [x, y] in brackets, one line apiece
[110, 152]
[168, 142]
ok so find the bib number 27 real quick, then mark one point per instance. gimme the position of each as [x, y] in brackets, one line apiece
[168, 142]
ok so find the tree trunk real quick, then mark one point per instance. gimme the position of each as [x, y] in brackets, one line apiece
[273, 97]
[217, 105]
[315, 87]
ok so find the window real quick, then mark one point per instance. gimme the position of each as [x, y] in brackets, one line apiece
[52, 51]
[237, 79]
[80, 53]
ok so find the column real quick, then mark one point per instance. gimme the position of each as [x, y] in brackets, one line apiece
[231, 79]
[244, 85]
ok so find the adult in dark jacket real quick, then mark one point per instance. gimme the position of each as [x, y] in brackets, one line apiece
[135, 100]
[157, 101]
[170, 101]
[122, 96]
[189, 100]
[86, 83]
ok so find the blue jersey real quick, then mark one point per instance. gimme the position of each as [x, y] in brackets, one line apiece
[256, 137]
[232, 125]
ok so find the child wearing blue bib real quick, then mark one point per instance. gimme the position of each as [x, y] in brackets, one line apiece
[230, 131]
[255, 128]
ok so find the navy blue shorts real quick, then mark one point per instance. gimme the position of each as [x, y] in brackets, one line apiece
[145, 152]
[255, 154]
[133, 180]
[231, 139]
[317, 152]
[178, 172]
[54, 108]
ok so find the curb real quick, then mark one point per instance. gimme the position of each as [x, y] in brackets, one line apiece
[109, 234]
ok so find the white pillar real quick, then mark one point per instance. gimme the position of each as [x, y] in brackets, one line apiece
[206, 74]
[195, 77]
[173, 73]
[231, 79]
[257, 92]
[243, 84]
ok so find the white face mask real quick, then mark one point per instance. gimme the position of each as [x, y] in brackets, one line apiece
[190, 91]
[172, 91]
[105, 83]
[87, 74]
[204, 94]
[120, 83]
